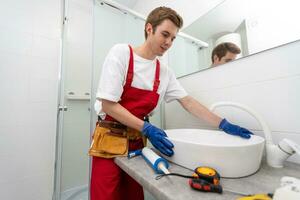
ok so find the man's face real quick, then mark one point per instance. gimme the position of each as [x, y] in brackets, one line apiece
[162, 38]
[225, 59]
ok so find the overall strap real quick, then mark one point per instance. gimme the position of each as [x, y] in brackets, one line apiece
[130, 72]
[156, 80]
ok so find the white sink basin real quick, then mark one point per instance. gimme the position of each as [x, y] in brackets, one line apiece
[231, 156]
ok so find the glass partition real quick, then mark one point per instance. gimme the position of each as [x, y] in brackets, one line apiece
[73, 137]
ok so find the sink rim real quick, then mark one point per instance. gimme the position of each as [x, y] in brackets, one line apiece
[258, 139]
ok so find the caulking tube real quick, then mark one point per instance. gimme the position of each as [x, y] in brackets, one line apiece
[159, 164]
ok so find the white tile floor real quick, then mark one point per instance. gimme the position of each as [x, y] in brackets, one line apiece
[83, 195]
[80, 193]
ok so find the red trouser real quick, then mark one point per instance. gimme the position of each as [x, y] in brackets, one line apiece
[110, 182]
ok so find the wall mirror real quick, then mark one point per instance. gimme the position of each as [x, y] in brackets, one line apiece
[253, 25]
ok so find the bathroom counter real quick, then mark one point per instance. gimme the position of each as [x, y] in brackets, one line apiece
[266, 180]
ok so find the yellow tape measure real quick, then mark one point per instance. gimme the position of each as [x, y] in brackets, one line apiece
[212, 176]
[207, 173]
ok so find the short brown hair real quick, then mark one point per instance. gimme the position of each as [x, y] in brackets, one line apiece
[221, 50]
[159, 14]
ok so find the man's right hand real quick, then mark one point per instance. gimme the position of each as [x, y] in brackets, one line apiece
[158, 138]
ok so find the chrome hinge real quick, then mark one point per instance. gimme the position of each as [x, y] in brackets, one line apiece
[62, 108]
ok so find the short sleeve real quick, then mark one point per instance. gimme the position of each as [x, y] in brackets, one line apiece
[113, 74]
[174, 90]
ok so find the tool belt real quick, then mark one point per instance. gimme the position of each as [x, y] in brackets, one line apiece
[111, 139]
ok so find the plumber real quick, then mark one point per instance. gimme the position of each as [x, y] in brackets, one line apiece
[132, 83]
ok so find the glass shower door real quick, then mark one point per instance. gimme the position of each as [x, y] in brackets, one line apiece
[73, 135]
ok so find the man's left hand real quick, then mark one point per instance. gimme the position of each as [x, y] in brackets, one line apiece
[232, 129]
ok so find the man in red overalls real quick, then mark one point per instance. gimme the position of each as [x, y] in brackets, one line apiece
[133, 81]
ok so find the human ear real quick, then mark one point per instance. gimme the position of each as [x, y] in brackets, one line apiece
[216, 58]
[149, 28]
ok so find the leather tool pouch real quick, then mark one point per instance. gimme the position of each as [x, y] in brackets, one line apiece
[109, 142]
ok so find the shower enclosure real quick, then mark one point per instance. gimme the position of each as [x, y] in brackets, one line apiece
[90, 29]
[73, 132]
[88, 35]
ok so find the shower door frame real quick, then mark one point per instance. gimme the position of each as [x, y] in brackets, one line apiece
[61, 107]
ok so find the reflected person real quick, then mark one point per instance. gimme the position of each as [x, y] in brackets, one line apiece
[223, 53]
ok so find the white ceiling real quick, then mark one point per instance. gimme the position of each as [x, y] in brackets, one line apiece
[127, 3]
[188, 12]
[218, 18]
[224, 18]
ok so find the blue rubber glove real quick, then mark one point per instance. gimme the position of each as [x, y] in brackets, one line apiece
[234, 129]
[158, 138]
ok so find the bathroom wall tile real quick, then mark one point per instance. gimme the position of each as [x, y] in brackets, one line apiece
[17, 15]
[47, 20]
[45, 143]
[16, 42]
[278, 102]
[29, 70]
[40, 188]
[24, 168]
[11, 163]
[46, 48]
[14, 78]
[175, 120]
[42, 90]
[205, 81]
[44, 69]
[17, 110]
[176, 116]
[41, 114]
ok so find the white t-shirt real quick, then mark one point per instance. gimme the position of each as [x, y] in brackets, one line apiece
[114, 73]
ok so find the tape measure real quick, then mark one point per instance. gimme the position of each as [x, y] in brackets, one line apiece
[207, 179]
[204, 179]
[208, 174]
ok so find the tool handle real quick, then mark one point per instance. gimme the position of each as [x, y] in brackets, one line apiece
[134, 153]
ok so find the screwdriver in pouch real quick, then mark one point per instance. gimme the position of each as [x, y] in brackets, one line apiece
[134, 153]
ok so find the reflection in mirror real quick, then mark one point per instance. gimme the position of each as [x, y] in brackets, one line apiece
[253, 25]
[183, 56]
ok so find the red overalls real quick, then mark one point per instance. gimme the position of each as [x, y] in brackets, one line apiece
[108, 181]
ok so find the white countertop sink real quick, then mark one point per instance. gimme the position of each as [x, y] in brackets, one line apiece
[231, 156]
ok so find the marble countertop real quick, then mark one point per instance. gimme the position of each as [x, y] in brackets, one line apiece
[266, 180]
